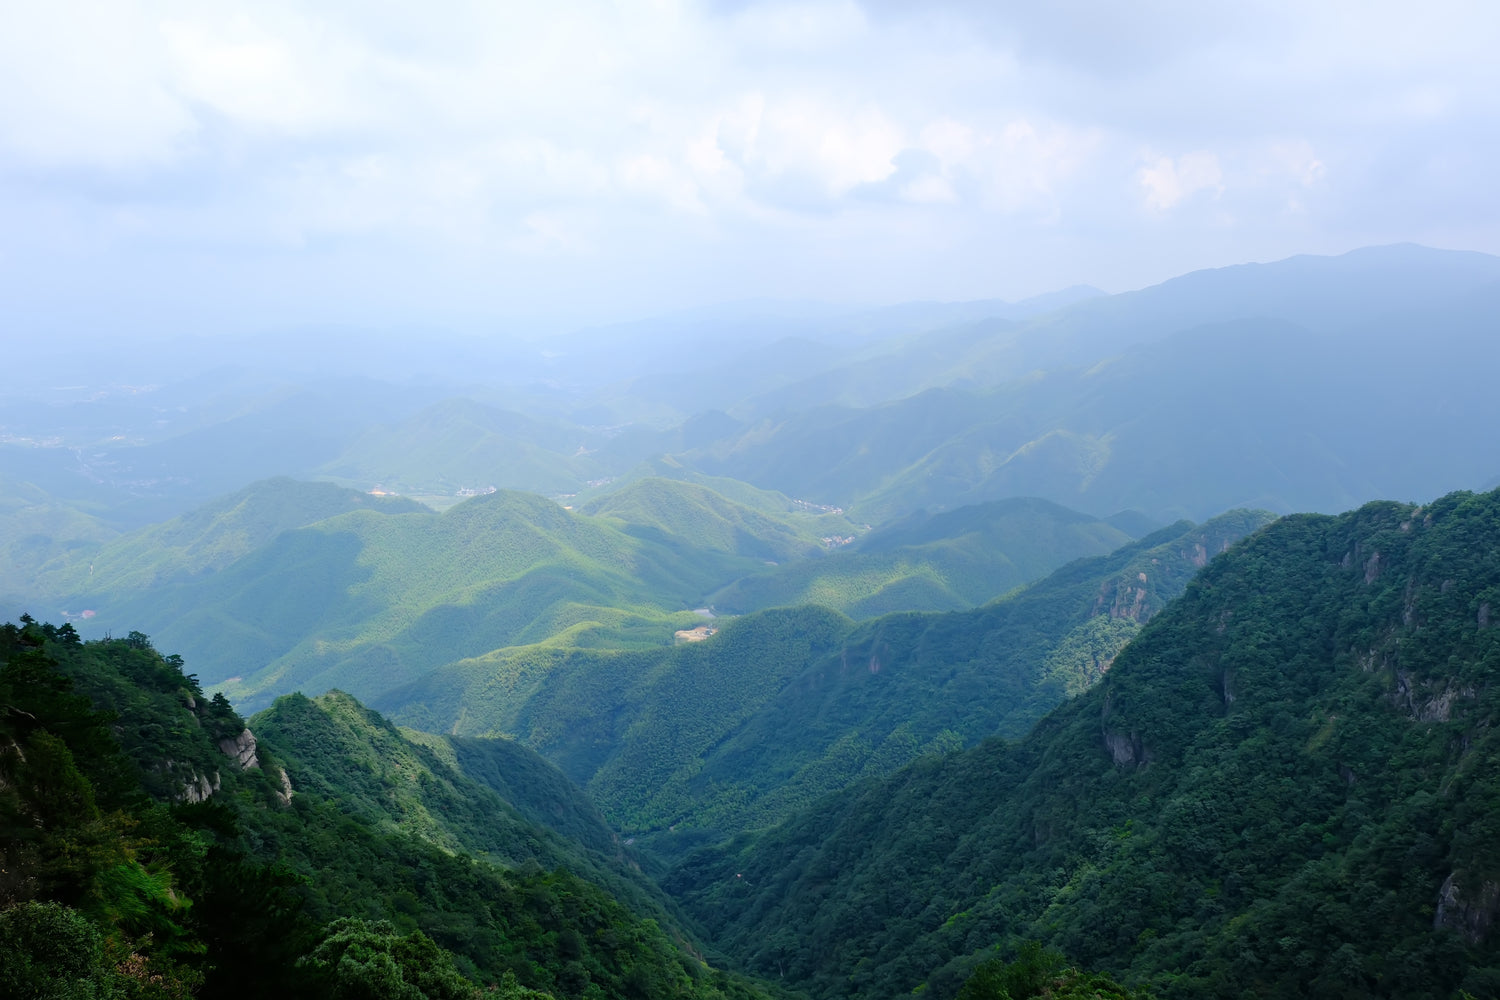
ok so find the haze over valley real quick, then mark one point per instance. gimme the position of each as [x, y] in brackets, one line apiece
[631, 502]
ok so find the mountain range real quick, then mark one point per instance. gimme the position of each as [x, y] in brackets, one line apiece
[1096, 643]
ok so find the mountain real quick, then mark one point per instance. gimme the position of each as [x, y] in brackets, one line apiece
[698, 516]
[37, 529]
[373, 597]
[153, 845]
[932, 562]
[418, 785]
[1253, 412]
[1284, 786]
[207, 539]
[679, 745]
[977, 349]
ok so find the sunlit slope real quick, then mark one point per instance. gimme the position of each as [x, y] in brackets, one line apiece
[208, 538]
[368, 600]
[943, 562]
[700, 517]
[418, 785]
[1285, 786]
[783, 705]
[318, 814]
[391, 828]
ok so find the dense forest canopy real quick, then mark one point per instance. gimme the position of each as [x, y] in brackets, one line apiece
[1285, 785]
[154, 847]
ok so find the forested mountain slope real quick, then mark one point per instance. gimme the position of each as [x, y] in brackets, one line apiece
[943, 562]
[151, 846]
[372, 598]
[784, 705]
[206, 539]
[697, 516]
[1286, 785]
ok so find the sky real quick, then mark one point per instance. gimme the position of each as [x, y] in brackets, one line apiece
[208, 167]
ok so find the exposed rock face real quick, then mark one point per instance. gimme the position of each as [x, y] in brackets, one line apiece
[1467, 911]
[242, 749]
[1425, 701]
[284, 794]
[198, 788]
[1130, 599]
[1120, 747]
[1123, 749]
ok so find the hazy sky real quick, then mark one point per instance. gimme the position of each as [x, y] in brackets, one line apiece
[234, 166]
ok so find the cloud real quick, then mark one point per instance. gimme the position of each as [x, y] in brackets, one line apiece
[80, 85]
[820, 147]
[1167, 182]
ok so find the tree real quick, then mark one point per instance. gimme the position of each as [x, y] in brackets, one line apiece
[363, 960]
[1040, 972]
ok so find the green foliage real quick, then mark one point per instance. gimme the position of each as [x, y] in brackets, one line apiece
[1285, 785]
[1039, 973]
[375, 597]
[707, 520]
[49, 952]
[783, 706]
[38, 532]
[359, 960]
[156, 899]
[942, 562]
[208, 538]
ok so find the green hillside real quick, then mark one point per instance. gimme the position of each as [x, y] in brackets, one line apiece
[153, 847]
[372, 598]
[943, 562]
[1285, 786]
[449, 794]
[702, 518]
[37, 531]
[208, 538]
[532, 785]
[686, 743]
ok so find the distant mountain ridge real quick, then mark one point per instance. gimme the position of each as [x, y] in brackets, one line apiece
[926, 405]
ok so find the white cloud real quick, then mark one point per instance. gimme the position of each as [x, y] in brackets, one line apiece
[810, 27]
[244, 72]
[874, 145]
[81, 84]
[1168, 182]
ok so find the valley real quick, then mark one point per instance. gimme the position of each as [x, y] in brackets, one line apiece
[1152, 629]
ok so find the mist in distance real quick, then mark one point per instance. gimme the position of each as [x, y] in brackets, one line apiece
[322, 172]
